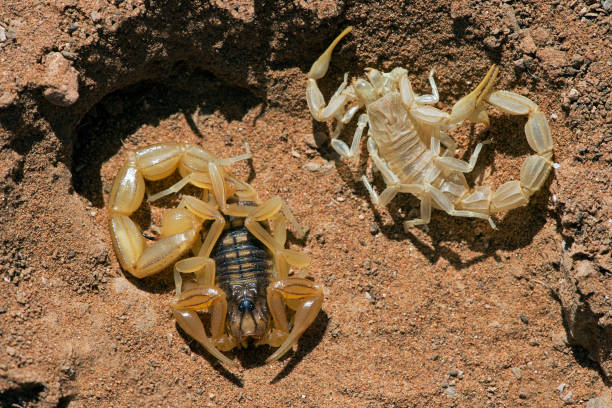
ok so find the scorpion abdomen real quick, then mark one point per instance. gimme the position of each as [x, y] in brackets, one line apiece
[241, 260]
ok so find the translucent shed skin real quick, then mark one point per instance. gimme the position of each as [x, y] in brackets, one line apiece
[408, 142]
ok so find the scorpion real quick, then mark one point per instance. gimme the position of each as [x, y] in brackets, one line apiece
[405, 134]
[239, 272]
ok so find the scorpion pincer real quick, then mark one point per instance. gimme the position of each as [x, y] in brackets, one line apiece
[406, 133]
[239, 273]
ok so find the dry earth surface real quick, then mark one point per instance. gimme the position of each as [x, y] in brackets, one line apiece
[451, 314]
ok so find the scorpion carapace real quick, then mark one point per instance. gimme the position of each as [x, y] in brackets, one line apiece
[240, 270]
[406, 133]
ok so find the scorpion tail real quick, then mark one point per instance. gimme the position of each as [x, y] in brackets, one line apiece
[535, 169]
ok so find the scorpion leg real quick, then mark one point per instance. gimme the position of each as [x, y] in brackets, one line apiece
[205, 211]
[282, 257]
[342, 148]
[425, 213]
[299, 294]
[420, 111]
[447, 206]
[453, 164]
[203, 269]
[231, 160]
[193, 164]
[204, 298]
[201, 180]
[435, 96]
[448, 143]
[390, 178]
[243, 190]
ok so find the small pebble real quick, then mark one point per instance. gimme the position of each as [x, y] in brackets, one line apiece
[95, 16]
[554, 116]
[453, 373]
[568, 399]
[559, 340]
[312, 166]
[524, 319]
[374, 229]
[492, 43]
[523, 394]
[577, 60]
[573, 94]
[2, 34]
[6, 99]
[61, 80]
[561, 387]
[21, 297]
[527, 45]
[11, 33]
[603, 401]
[315, 140]
[517, 372]
[450, 392]
[70, 55]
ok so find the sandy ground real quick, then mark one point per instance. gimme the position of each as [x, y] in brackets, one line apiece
[451, 314]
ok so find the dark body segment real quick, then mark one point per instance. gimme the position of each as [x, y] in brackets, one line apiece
[242, 263]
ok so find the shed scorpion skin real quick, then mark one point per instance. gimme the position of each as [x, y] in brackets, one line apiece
[240, 272]
[405, 133]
